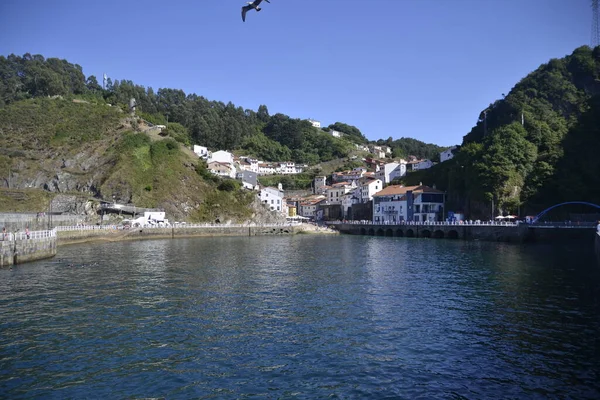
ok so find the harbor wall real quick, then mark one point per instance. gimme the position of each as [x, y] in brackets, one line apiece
[498, 233]
[81, 236]
[19, 251]
[36, 221]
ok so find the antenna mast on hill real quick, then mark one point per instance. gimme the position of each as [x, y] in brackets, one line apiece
[595, 24]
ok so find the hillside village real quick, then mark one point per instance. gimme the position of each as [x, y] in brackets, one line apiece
[362, 193]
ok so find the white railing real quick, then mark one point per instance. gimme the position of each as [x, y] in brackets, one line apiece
[87, 227]
[428, 223]
[25, 235]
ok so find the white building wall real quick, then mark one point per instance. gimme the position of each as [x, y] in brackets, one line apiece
[316, 124]
[222, 156]
[273, 198]
[201, 151]
[447, 154]
[391, 211]
[369, 189]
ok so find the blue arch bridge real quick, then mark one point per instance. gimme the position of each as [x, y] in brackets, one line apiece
[537, 229]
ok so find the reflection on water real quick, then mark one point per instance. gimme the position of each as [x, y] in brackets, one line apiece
[303, 316]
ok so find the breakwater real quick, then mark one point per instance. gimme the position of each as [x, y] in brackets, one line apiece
[80, 234]
[18, 248]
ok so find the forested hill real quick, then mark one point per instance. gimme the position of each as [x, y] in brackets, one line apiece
[192, 119]
[537, 146]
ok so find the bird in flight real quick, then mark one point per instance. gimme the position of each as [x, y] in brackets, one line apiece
[250, 6]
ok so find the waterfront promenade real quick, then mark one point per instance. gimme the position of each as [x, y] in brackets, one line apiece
[517, 232]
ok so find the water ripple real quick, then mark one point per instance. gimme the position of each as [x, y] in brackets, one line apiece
[301, 317]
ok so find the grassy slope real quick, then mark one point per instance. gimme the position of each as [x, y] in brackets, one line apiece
[92, 146]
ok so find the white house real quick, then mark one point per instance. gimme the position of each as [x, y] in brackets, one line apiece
[266, 169]
[336, 133]
[248, 164]
[287, 168]
[201, 151]
[368, 187]
[397, 203]
[378, 151]
[349, 199]
[308, 207]
[338, 190]
[391, 171]
[222, 157]
[316, 124]
[423, 164]
[272, 197]
[447, 154]
[221, 169]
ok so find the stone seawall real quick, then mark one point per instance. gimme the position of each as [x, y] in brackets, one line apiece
[35, 222]
[24, 250]
[81, 236]
[496, 233]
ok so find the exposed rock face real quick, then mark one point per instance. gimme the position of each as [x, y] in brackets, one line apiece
[262, 214]
[70, 204]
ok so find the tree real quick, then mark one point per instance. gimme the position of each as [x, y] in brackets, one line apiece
[263, 113]
[92, 84]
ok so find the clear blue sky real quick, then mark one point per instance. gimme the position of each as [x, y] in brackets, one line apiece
[400, 68]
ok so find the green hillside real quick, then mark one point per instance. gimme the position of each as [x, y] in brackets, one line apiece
[56, 145]
[535, 147]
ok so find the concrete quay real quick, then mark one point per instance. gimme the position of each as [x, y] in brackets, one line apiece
[18, 248]
[82, 234]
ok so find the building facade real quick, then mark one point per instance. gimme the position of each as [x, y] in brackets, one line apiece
[397, 204]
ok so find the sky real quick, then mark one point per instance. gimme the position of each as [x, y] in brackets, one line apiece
[393, 68]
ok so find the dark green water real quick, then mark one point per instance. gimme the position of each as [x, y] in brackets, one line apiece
[302, 317]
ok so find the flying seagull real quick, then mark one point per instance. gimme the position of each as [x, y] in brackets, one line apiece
[250, 6]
